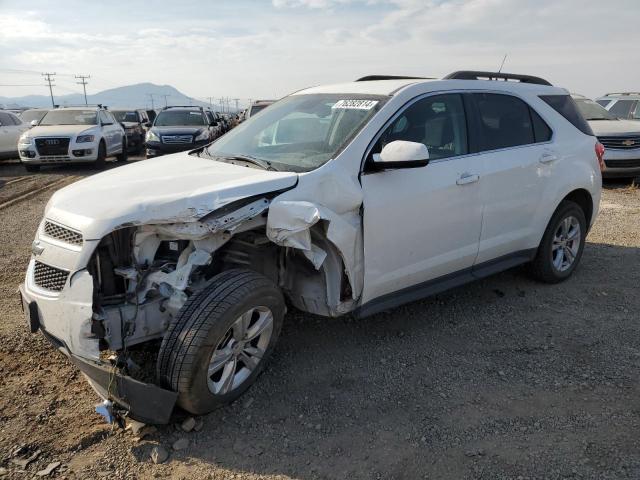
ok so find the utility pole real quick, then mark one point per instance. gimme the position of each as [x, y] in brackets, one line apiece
[222, 104]
[49, 80]
[210, 101]
[236, 100]
[150, 95]
[83, 82]
[165, 99]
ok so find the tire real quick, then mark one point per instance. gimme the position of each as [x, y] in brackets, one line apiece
[210, 321]
[102, 156]
[553, 263]
[124, 155]
[31, 168]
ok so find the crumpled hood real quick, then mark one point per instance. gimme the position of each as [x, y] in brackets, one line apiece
[615, 127]
[129, 124]
[59, 130]
[169, 189]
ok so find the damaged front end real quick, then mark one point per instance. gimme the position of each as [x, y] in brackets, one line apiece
[118, 308]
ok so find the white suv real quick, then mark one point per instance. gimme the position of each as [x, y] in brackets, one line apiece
[73, 134]
[340, 199]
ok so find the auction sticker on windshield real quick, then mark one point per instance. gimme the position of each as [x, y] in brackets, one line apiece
[355, 104]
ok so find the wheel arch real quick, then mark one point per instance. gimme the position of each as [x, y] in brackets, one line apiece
[584, 199]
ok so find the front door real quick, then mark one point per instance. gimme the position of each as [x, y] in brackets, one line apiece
[422, 224]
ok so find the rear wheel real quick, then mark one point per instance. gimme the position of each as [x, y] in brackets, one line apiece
[222, 337]
[562, 245]
[102, 156]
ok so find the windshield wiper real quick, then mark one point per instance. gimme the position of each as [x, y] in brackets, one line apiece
[264, 164]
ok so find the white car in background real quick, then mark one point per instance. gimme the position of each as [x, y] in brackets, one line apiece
[368, 195]
[73, 135]
[11, 127]
[621, 139]
[624, 105]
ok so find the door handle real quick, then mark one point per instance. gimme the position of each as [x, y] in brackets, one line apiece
[467, 178]
[548, 157]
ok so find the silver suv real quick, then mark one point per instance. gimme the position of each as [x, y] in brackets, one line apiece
[625, 105]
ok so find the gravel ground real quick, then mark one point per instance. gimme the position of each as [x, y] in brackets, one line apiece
[504, 378]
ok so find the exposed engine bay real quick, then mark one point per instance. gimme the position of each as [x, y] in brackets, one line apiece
[143, 275]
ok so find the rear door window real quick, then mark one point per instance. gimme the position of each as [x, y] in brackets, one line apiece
[566, 106]
[623, 108]
[505, 121]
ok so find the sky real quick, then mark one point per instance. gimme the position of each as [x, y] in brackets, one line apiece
[269, 48]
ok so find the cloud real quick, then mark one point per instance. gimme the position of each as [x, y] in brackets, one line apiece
[255, 50]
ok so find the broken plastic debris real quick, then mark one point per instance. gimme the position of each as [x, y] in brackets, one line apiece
[106, 410]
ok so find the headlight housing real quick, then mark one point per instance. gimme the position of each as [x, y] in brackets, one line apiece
[151, 137]
[85, 138]
[25, 138]
[203, 136]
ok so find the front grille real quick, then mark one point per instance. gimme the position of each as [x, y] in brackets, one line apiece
[634, 163]
[52, 146]
[49, 278]
[173, 139]
[623, 142]
[61, 233]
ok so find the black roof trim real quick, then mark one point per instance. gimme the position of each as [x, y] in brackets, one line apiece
[369, 78]
[194, 107]
[474, 75]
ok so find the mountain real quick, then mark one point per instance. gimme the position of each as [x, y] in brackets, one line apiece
[129, 96]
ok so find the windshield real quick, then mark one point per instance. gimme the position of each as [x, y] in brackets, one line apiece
[70, 117]
[125, 116]
[29, 116]
[168, 118]
[300, 132]
[591, 110]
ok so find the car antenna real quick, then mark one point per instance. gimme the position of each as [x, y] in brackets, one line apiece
[502, 64]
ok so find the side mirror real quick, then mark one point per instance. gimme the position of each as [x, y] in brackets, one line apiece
[213, 123]
[34, 123]
[402, 154]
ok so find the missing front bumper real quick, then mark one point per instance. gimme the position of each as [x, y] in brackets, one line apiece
[141, 401]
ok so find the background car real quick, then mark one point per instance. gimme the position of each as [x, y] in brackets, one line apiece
[179, 128]
[11, 127]
[623, 105]
[73, 135]
[134, 123]
[257, 106]
[33, 115]
[621, 138]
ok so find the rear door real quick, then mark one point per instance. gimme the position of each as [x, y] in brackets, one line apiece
[517, 153]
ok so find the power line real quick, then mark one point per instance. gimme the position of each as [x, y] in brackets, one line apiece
[151, 96]
[83, 82]
[48, 78]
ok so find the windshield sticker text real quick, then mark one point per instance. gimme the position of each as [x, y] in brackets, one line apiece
[355, 104]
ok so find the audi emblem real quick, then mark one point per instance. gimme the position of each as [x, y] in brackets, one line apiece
[53, 141]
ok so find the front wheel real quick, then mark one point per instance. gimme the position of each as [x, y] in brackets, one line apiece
[221, 340]
[124, 155]
[102, 156]
[562, 245]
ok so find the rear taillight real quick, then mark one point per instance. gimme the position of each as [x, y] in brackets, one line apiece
[600, 155]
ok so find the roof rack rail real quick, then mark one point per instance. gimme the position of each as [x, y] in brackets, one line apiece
[369, 78]
[183, 106]
[621, 93]
[76, 105]
[474, 75]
